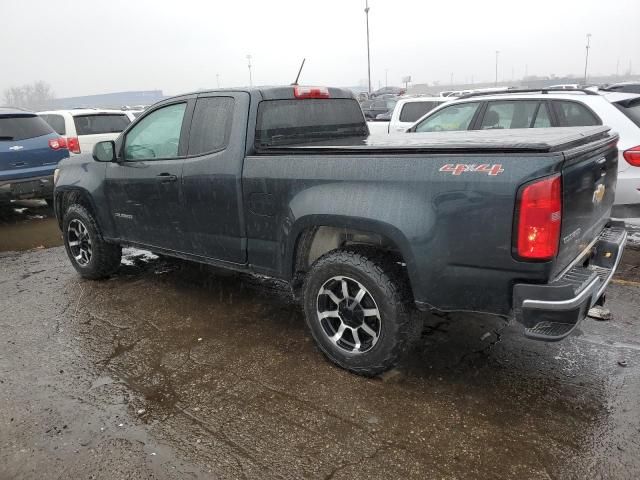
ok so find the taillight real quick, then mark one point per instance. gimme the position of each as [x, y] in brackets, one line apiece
[310, 92]
[73, 144]
[57, 143]
[539, 219]
[632, 156]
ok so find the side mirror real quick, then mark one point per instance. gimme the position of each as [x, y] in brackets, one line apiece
[104, 151]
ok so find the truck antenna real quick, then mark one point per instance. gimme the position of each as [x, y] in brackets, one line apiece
[299, 72]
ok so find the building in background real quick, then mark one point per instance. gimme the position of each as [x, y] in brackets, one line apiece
[109, 100]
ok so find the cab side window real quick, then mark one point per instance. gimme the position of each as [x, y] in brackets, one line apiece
[453, 117]
[156, 136]
[211, 125]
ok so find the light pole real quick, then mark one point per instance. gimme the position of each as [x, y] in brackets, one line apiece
[586, 57]
[386, 77]
[366, 11]
[249, 65]
[497, 54]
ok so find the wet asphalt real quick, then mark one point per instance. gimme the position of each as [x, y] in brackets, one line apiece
[171, 370]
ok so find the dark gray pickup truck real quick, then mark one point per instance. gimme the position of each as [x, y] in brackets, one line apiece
[287, 182]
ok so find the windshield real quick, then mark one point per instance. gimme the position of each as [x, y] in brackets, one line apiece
[282, 122]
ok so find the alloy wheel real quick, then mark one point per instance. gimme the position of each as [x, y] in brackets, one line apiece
[348, 315]
[79, 242]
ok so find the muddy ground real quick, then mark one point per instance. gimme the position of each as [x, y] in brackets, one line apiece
[169, 370]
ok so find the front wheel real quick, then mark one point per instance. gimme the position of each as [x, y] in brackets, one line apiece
[90, 255]
[358, 308]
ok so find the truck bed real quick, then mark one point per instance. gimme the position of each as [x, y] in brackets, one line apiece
[437, 189]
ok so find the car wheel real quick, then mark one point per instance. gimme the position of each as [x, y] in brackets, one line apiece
[359, 310]
[90, 255]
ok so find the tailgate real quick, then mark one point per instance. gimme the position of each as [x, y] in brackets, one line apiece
[589, 176]
[29, 157]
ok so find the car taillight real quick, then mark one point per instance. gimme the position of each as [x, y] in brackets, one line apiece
[632, 156]
[57, 143]
[310, 92]
[540, 219]
[73, 144]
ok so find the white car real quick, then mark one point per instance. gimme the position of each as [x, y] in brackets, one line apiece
[410, 109]
[570, 108]
[83, 128]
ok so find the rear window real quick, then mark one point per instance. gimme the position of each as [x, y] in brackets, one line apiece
[55, 121]
[100, 123]
[21, 127]
[285, 122]
[631, 108]
[412, 111]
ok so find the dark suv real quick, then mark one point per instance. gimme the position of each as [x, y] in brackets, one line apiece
[29, 154]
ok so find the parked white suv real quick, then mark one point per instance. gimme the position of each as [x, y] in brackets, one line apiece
[83, 128]
[410, 109]
[569, 108]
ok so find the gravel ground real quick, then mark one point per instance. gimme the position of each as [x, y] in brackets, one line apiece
[169, 370]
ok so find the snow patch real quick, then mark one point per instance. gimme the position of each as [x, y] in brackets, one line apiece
[131, 255]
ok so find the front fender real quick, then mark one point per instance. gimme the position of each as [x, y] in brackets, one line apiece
[81, 173]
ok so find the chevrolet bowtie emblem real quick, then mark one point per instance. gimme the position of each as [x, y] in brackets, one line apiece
[15, 148]
[598, 194]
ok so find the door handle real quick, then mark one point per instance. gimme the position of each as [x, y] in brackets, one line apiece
[166, 177]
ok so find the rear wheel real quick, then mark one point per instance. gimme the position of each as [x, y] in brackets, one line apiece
[90, 255]
[358, 308]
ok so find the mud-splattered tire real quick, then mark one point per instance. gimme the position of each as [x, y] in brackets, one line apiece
[366, 350]
[79, 229]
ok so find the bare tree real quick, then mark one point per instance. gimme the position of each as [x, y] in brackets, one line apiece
[36, 96]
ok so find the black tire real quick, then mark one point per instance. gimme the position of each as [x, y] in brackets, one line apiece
[386, 283]
[105, 257]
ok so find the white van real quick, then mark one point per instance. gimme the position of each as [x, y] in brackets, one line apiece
[83, 128]
[410, 109]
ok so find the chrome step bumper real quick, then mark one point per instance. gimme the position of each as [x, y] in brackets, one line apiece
[551, 312]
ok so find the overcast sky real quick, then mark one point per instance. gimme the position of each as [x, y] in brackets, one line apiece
[84, 47]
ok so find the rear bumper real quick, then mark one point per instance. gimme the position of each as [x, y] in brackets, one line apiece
[552, 311]
[33, 187]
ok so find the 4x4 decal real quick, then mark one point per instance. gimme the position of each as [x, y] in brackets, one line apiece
[460, 168]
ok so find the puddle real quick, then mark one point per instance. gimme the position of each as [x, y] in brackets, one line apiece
[28, 224]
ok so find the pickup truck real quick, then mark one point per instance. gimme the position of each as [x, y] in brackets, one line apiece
[368, 231]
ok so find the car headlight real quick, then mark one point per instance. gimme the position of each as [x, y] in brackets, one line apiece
[56, 174]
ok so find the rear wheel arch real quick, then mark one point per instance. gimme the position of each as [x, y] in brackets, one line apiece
[312, 241]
